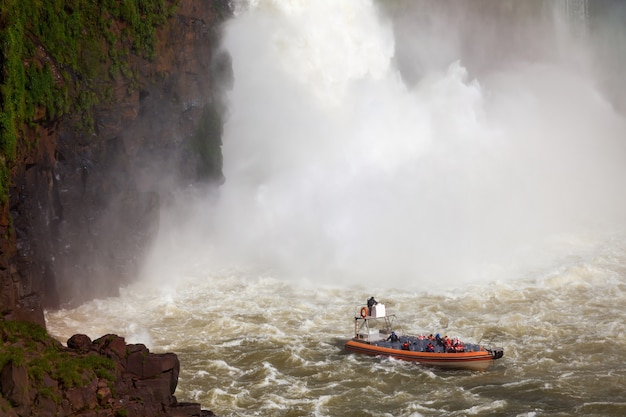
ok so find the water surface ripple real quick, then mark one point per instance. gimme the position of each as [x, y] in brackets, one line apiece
[256, 345]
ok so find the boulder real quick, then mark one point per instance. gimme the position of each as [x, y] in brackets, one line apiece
[80, 342]
[145, 382]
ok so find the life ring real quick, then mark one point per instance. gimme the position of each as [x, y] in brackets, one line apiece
[364, 312]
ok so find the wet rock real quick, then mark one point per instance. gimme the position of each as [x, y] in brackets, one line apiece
[80, 342]
[15, 386]
[84, 206]
[112, 346]
[100, 378]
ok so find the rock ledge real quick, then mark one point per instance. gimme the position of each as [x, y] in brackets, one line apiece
[101, 378]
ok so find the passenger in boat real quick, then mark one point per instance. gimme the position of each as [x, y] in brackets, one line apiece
[458, 345]
[448, 345]
[459, 348]
[371, 303]
[430, 347]
[393, 337]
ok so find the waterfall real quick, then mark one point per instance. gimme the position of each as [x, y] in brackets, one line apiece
[576, 14]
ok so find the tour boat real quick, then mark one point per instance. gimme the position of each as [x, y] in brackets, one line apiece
[374, 334]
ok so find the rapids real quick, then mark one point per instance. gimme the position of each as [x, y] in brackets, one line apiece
[372, 152]
[257, 345]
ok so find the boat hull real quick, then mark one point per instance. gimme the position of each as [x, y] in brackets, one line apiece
[477, 361]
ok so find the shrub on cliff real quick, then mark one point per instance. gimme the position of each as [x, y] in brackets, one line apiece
[57, 57]
[36, 370]
[39, 376]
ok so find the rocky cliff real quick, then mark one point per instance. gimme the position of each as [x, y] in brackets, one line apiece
[86, 185]
[101, 378]
[99, 101]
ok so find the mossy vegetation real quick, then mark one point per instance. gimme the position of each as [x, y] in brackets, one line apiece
[60, 56]
[29, 345]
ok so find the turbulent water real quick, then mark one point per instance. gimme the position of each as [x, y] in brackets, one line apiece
[257, 345]
[369, 152]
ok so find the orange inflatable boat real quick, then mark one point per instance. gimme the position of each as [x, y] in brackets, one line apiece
[374, 334]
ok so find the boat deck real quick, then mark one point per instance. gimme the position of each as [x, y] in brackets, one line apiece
[373, 327]
[416, 344]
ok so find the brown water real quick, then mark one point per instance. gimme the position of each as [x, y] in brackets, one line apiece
[485, 201]
[253, 345]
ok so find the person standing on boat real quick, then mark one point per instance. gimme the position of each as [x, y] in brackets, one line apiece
[393, 337]
[371, 303]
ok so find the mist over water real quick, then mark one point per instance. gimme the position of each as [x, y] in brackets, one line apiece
[339, 167]
[462, 171]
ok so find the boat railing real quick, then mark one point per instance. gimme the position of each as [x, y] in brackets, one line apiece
[492, 344]
[372, 326]
[364, 312]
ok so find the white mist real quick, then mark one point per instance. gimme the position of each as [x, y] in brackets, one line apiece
[337, 170]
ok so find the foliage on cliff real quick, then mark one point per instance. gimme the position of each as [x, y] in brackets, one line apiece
[60, 56]
[105, 377]
[33, 362]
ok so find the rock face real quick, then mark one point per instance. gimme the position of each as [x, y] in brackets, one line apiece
[103, 378]
[83, 208]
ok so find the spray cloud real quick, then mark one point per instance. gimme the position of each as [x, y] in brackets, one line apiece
[367, 145]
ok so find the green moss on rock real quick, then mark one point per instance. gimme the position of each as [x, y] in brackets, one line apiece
[29, 344]
[54, 55]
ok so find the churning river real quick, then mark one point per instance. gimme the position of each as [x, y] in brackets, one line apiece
[257, 345]
[481, 203]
